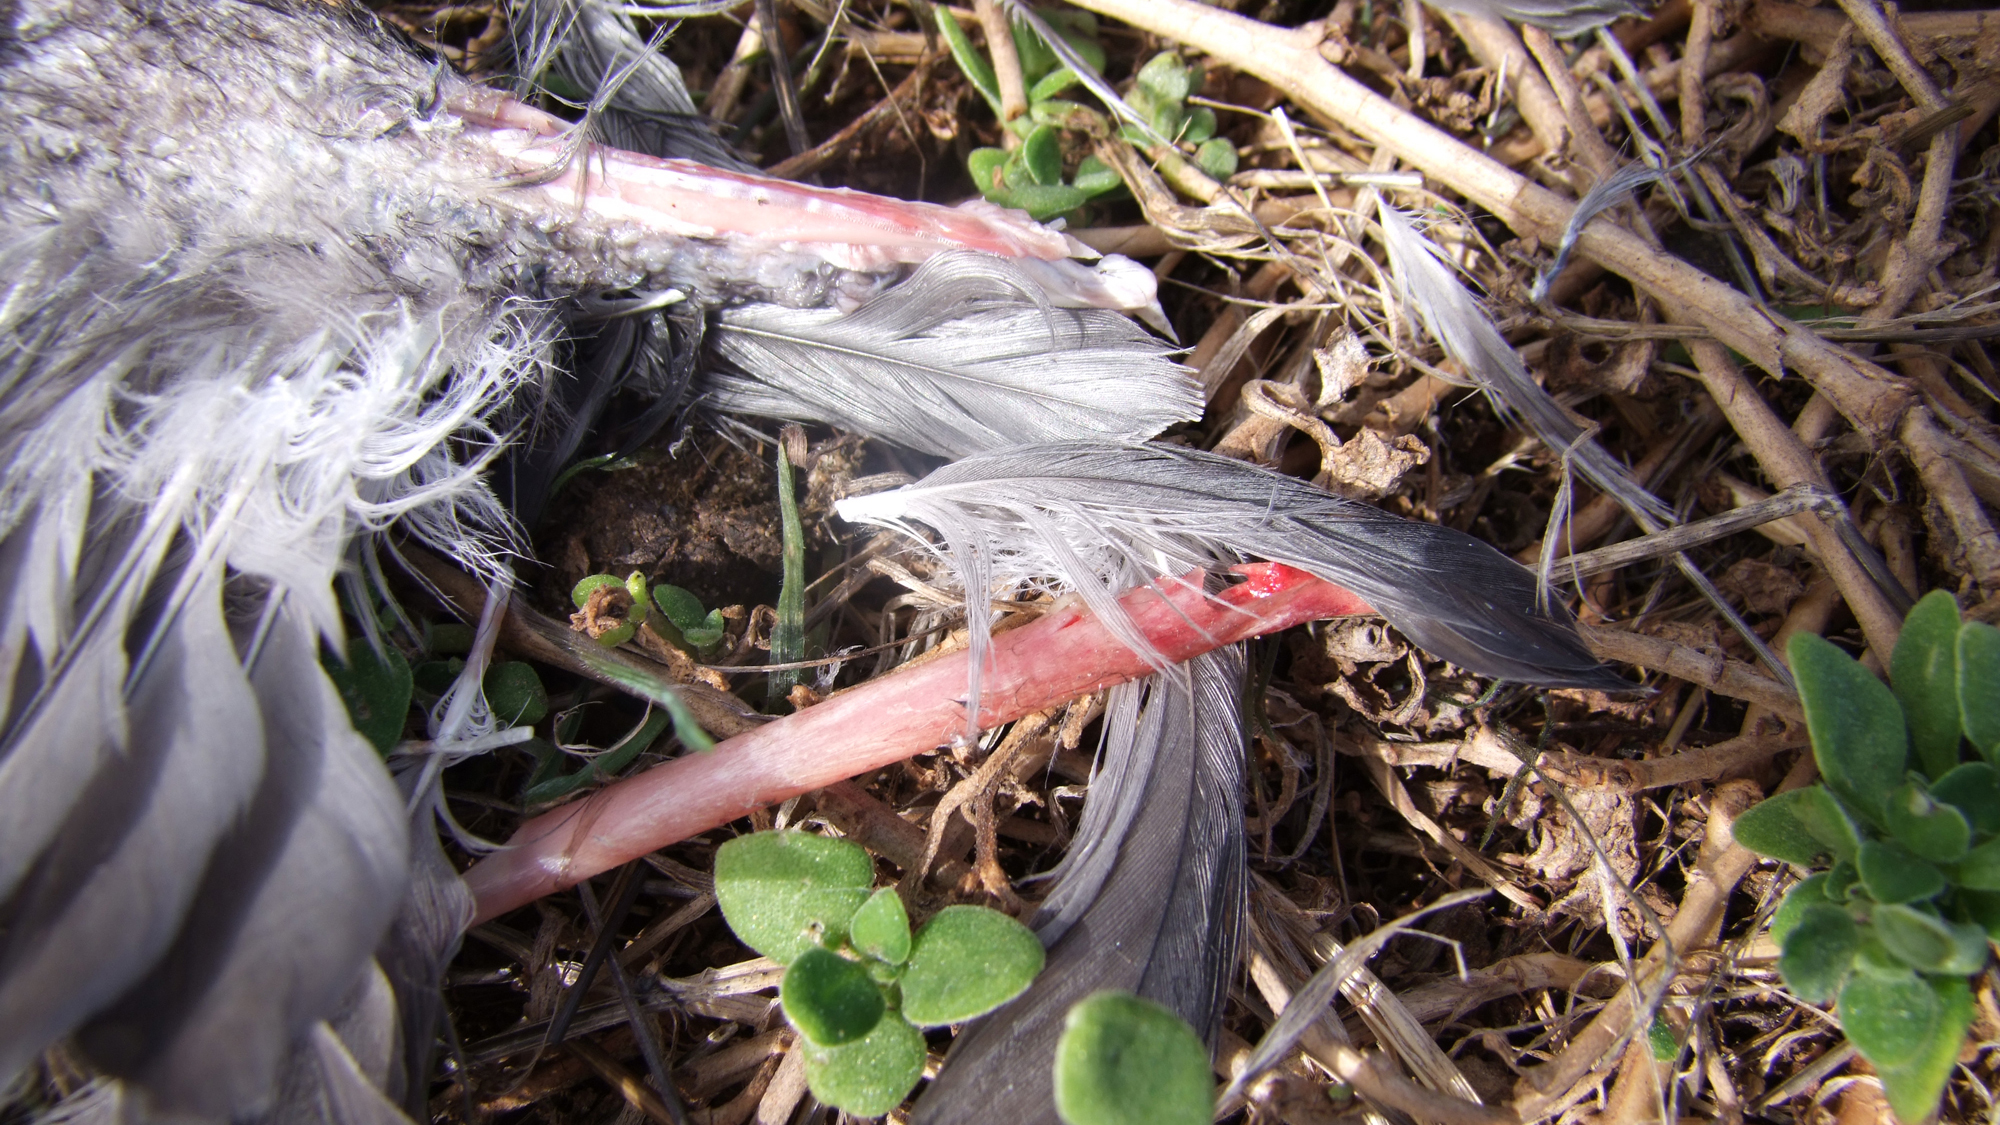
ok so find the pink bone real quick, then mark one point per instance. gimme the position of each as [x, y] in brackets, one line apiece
[851, 229]
[1066, 653]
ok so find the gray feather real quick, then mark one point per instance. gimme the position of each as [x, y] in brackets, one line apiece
[1149, 897]
[1604, 196]
[1454, 317]
[1101, 518]
[964, 356]
[1561, 18]
[259, 959]
[640, 103]
[102, 894]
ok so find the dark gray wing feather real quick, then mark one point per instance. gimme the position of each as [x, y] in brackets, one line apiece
[1103, 517]
[1149, 897]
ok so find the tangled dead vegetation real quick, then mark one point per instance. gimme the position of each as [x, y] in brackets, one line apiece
[1787, 325]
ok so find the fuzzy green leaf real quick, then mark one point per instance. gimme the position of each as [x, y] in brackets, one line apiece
[1930, 944]
[965, 962]
[1924, 672]
[1808, 891]
[580, 593]
[376, 687]
[1979, 687]
[1856, 725]
[1914, 1086]
[871, 1077]
[515, 693]
[1893, 873]
[881, 928]
[1041, 156]
[830, 999]
[1199, 126]
[1095, 177]
[1041, 203]
[1929, 828]
[1980, 869]
[1819, 952]
[783, 892]
[1123, 1060]
[1974, 790]
[1801, 826]
[1051, 84]
[1889, 1016]
[1217, 157]
[1167, 77]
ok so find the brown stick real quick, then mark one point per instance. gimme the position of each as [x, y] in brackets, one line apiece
[1289, 60]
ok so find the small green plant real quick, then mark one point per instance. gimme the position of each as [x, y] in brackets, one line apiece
[625, 603]
[858, 986]
[1031, 176]
[1124, 1060]
[375, 684]
[1905, 895]
[1160, 94]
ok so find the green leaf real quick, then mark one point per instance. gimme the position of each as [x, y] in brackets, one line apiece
[1889, 1016]
[580, 593]
[1819, 952]
[1217, 157]
[1924, 672]
[971, 63]
[830, 999]
[1095, 176]
[965, 962]
[1980, 869]
[681, 606]
[881, 928]
[872, 1077]
[1801, 826]
[1123, 1060]
[376, 687]
[1053, 83]
[1167, 77]
[782, 892]
[1930, 944]
[1893, 873]
[1914, 1087]
[1842, 880]
[515, 693]
[985, 165]
[1041, 156]
[1199, 126]
[1039, 202]
[1974, 790]
[1036, 57]
[1856, 725]
[1934, 831]
[788, 629]
[1806, 892]
[1664, 1040]
[448, 638]
[1979, 687]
